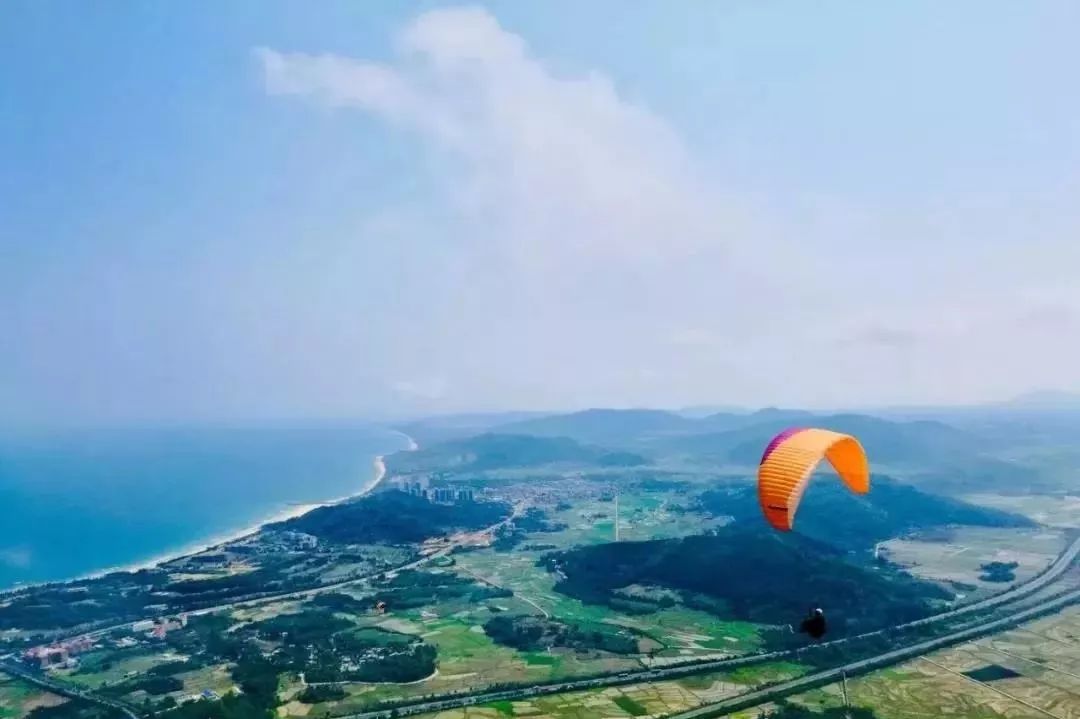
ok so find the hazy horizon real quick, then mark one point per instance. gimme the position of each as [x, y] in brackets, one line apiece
[391, 211]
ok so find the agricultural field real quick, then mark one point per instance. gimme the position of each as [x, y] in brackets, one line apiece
[17, 698]
[104, 667]
[469, 659]
[673, 633]
[642, 515]
[647, 699]
[1052, 511]
[1032, 671]
[960, 557]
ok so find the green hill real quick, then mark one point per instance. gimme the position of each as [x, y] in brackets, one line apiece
[393, 517]
[501, 451]
[885, 441]
[748, 573]
[833, 515]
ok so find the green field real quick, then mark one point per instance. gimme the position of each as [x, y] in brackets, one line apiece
[1045, 656]
[647, 699]
[17, 698]
[105, 667]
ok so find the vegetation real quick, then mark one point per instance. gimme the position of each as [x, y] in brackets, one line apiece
[75, 710]
[530, 633]
[394, 517]
[339, 602]
[786, 710]
[999, 571]
[412, 588]
[832, 514]
[322, 693]
[630, 705]
[499, 451]
[749, 574]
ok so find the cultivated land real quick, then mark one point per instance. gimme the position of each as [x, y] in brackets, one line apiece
[1031, 671]
[401, 600]
[18, 699]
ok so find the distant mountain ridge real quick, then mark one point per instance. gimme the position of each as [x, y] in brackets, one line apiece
[602, 425]
[500, 451]
[443, 428]
[829, 513]
[740, 437]
[922, 450]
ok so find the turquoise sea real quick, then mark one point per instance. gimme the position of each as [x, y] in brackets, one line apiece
[78, 502]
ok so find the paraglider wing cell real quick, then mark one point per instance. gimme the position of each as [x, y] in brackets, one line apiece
[790, 459]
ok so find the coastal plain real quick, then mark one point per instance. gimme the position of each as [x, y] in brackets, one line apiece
[581, 550]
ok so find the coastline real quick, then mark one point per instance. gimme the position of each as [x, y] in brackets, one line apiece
[203, 545]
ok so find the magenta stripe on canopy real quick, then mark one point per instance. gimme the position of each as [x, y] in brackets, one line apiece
[778, 439]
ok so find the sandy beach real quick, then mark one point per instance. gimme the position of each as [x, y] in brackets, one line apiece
[296, 510]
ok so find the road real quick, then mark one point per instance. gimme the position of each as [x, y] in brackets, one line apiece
[829, 676]
[76, 693]
[1052, 573]
[65, 690]
[1063, 562]
[303, 593]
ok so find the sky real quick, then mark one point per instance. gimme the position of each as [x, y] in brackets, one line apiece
[257, 210]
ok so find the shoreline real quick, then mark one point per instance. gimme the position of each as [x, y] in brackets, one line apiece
[204, 545]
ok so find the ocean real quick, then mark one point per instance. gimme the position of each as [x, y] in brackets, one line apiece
[75, 503]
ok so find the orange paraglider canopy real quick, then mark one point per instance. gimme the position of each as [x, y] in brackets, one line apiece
[790, 459]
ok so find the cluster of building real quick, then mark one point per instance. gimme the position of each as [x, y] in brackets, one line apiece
[158, 628]
[421, 487]
[59, 655]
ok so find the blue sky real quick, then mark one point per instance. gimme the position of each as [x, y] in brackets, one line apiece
[257, 210]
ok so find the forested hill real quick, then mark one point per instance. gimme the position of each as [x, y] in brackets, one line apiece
[925, 451]
[499, 451]
[884, 440]
[753, 574]
[832, 514]
[393, 517]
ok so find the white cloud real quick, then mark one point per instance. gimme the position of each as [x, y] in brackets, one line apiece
[584, 244]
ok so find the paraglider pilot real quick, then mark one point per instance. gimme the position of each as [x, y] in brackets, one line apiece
[814, 624]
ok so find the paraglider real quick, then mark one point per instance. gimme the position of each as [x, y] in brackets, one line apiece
[814, 624]
[790, 459]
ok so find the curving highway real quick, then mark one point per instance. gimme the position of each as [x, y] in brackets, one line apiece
[829, 676]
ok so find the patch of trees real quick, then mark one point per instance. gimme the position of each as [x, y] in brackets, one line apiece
[750, 574]
[530, 633]
[536, 520]
[174, 667]
[231, 706]
[340, 602]
[155, 685]
[998, 571]
[302, 628]
[410, 589]
[322, 693]
[393, 517]
[328, 648]
[786, 710]
[76, 710]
